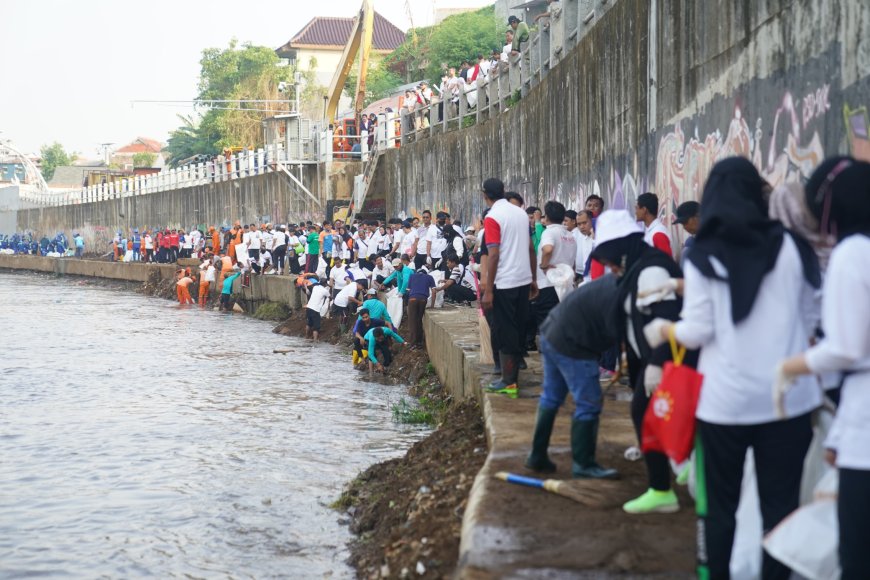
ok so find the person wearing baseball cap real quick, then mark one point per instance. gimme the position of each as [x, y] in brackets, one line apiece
[521, 34]
[689, 216]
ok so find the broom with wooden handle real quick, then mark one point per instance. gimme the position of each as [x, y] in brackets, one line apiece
[486, 356]
[591, 493]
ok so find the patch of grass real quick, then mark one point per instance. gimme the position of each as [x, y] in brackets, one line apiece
[430, 368]
[469, 122]
[426, 411]
[272, 311]
[515, 98]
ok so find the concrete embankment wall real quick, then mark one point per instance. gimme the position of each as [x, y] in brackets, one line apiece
[262, 289]
[258, 199]
[650, 98]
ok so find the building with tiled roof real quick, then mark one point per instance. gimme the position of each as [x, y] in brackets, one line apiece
[123, 156]
[323, 39]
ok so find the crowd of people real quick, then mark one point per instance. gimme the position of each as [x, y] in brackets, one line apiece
[767, 293]
[464, 79]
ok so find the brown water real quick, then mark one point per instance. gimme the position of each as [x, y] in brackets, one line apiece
[140, 438]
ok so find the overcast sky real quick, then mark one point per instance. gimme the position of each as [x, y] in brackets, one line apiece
[71, 67]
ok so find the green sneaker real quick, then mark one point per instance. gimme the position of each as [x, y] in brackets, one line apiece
[654, 502]
[501, 389]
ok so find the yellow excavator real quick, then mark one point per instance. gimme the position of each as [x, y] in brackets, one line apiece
[360, 42]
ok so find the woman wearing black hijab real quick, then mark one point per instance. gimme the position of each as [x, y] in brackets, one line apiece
[838, 194]
[749, 301]
[642, 272]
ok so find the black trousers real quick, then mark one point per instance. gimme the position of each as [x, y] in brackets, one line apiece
[419, 261]
[459, 293]
[853, 510]
[279, 255]
[658, 468]
[386, 353]
[547, 300]
[779, 448]
[510, 309]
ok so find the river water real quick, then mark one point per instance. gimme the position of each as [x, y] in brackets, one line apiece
[140, 438]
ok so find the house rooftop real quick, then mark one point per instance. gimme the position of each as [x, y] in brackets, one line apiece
[141, 145]
[332, 32]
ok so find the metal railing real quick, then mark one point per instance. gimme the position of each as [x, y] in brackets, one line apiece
[221, 168]
[507, 82]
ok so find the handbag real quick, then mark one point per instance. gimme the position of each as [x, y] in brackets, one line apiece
[669, 421]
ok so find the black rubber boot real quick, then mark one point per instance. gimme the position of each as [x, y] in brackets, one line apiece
[584, 437]
[538, 459]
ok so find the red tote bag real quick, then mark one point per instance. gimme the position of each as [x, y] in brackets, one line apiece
[669, 422]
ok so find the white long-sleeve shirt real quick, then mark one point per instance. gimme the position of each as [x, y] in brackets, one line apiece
[846, 347]
[739, 361]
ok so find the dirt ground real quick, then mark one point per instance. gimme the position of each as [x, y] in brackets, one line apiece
[407, 512]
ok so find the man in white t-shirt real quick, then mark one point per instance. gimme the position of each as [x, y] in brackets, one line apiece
[408, 240]
[511, 280]
[253, 243]
[338, 276]
[383, 268]
[317, 301]
[655, 233]
[422, 249]
[579, 224]
[343, 300]
[557, 246]
[436, 243]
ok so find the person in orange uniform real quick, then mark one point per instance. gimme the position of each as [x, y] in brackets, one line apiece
[181, 287]
[215, 240]
[206, 277]
[226, 267]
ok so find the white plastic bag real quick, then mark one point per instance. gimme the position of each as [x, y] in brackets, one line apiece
[808, 539]
[439, 297]
[242, 254]
[395, 307]
[815, 467]
[746, 552]
[562, 278]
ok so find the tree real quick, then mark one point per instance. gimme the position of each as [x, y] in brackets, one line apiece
[53, 156]
[244, 73]
[192, 138]
[380, 82]
[144, 159]
[459, 37]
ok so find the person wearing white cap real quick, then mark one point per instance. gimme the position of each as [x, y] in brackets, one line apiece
[642, 270]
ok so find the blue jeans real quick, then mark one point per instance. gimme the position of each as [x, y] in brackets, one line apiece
[579, 376]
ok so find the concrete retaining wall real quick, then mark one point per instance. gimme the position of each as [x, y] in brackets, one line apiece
[262, 289]
[650, 98]
[257, 199]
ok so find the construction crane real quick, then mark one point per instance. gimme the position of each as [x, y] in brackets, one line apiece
[360, 42]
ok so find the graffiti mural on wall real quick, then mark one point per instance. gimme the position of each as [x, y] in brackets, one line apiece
[857, 131]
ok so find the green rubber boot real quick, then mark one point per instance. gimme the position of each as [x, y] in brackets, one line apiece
[654, 502]
[538, 459]
[584, 437]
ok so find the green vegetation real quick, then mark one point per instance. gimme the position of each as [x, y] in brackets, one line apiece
[272, 311]
[428, 51]
[380, 82]
[425, 411]
[238, 72]
[144, 159]
[54, 156]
